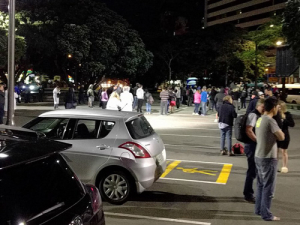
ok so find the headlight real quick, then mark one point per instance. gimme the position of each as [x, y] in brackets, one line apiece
[31, 87]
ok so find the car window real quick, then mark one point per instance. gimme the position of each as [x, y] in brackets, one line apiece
[53, 128]
[106, 128]
[28, 190]
[86, 129]
[139, 128]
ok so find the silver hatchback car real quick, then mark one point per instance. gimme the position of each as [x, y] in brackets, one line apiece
[119, 152]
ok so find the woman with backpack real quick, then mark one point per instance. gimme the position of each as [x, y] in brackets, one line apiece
[287, 121]
[149, 101]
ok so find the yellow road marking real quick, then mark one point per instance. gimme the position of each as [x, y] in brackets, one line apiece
[224, 175]
[170, 167]
[194, 170]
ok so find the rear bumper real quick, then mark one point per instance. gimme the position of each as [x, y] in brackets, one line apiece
[98, 218]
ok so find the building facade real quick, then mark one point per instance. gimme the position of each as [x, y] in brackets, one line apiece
[242, 13]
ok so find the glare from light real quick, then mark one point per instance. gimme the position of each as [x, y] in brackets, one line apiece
[57, 161]
[272, 25]
[31, 87]
[22, 223]
[2, 155]
[23, 86]
[278, 43]
[69, 56]
[266, 69]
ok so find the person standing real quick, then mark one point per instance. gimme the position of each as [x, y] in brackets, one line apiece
[104, 98]
[235, 97]
[250, 150]
[226, 115]
[81, 95]
[126, 99]
[2, 102]
[203, 101]
[164, 96]
[178, 96]
[213, 94]
[114, 102]
[134, 96]
[91, 95]
[219, 101]
[140, 97]
[244, 97]
[253, 102]
[149, 101]
[267, 134]
[56, 93]
[70, 99]
[287, 122]
[190, 96]
[197, 101]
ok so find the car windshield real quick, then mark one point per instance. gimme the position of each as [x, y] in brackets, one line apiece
[37, 189]
[139, 128]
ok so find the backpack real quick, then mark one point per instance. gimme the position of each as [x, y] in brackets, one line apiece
[240, 129]
[238, 149]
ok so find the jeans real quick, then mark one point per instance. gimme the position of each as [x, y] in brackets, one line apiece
[148, 107]
[243, 100]
[213, 105]
[196, 110]
[134, 104]
[190, 100]
[203, 108]
[266, 175]
[251, 172]
[164, 107]
[140, 105]
[226, 133]
[178, 100]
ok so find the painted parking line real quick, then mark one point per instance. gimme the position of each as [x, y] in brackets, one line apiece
[170, 167]
[156, 218]
[197, 171]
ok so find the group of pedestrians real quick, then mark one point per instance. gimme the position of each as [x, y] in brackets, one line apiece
[267, 122]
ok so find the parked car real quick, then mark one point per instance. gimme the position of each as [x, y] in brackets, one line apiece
[119, 152]
[38, 187]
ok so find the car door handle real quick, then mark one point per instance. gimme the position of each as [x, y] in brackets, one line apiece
[103, 147]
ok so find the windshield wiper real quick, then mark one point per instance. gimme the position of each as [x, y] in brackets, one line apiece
[47, 211]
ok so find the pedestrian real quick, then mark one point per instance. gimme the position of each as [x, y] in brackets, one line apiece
[81, 95]
[267, 134]
[226, 116]
[104, 98]
[56, 93]
[126, 99]
[149, 101]
[27, 94]
[212, 95]
[18, 91]
[114, 102]
[235, 97]
[253, 101]
[91, 95]
[2, 102]
[190, 95]
[203, 101]
[250, 150]
[41, 93]
[197, 101]
[283, 146]
[178, 96]
[70, 99]
[140, 98]
[135, 101]
[244, 96]
[219, 101]
[164, 96]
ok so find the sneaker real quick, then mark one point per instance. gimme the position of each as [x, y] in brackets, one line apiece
[250, 199]
[222, 152]
[284, 170]
[216, 120]
[230, 154]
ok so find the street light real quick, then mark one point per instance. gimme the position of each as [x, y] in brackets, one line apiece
[69, 56]
[272, 25]
[279, 43]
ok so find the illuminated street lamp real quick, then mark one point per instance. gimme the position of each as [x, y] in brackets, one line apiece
[272, 25]
[279, 43]
[69, 56]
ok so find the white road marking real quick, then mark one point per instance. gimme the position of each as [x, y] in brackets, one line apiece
[200, 162]
[193, 146]
[184, 135]
[193, 181]
[156, 218]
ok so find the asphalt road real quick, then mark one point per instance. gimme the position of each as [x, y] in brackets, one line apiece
[200, 186]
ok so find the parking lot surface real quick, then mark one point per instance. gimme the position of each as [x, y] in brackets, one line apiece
[200, 186]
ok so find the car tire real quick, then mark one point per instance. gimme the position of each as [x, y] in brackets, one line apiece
[116, 186]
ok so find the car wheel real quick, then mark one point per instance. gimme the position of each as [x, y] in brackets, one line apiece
[115, 187]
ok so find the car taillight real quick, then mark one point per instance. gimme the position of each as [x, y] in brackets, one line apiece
[95, 197]
[137, 150]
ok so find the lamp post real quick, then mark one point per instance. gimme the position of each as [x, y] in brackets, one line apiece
[11, 63]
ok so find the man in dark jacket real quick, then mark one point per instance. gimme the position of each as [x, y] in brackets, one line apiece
[2, 101]
[253, 102]
[226, 115]
[135, 100]
[219, 98]
[213, 94]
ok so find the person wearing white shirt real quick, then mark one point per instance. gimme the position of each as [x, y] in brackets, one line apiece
[126, 99]
[140, 96]
[114, 102]
[56, 92]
